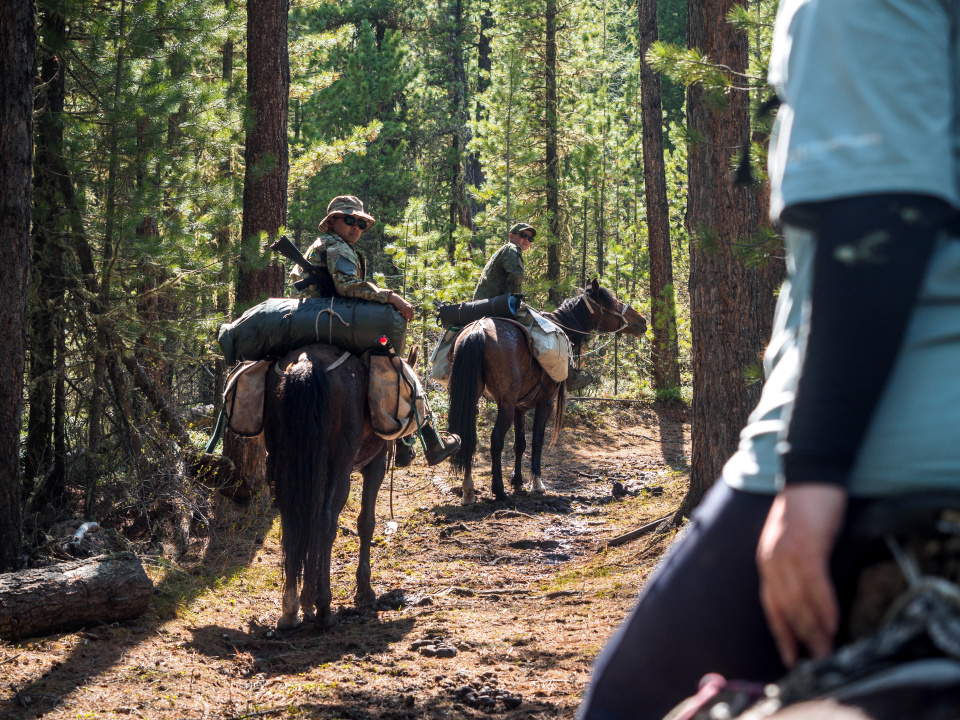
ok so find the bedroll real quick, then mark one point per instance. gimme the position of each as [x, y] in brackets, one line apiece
[278, 325]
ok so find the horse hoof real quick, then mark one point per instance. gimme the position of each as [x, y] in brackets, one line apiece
[325, 621]
[288, 623]
[468, 499]
[501, 497]
[365, 599]
[538, 486]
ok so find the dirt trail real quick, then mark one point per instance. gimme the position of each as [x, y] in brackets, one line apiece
[498, 609]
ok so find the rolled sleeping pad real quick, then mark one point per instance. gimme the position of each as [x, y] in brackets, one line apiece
[460, 314]
[279, 325]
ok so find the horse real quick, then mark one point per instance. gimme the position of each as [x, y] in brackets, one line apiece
[493, 356]
[317, 430]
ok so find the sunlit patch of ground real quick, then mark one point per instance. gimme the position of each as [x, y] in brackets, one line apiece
[497, 609]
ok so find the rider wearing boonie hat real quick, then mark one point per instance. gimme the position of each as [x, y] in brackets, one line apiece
[333, 252]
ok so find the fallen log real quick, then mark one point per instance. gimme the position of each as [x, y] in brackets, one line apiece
[65, 596]
[632, 535]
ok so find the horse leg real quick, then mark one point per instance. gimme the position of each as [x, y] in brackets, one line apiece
[372, 474]
[469, 492]
[540, 417]
[290, 617]
[497, 440]
[336, 497]
[519, 446]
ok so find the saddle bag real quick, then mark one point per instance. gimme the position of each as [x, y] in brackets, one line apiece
[278, 325]
[440, 366]
[551, 346]
[393, 390]
[459, 314]
[243, 397]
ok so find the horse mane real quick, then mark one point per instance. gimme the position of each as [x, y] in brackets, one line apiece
[573, 315]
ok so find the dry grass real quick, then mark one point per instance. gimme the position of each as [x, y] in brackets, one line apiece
[517, 588]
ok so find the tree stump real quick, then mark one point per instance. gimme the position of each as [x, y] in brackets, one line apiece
[104, 589]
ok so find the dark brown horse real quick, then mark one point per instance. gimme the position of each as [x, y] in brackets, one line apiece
[493, 357]
[317, 431]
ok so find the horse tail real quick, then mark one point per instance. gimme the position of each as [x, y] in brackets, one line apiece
[466, 383]
[558, 412]
[300, 461]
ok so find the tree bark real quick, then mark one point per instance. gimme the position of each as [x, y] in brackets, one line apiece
[47, 286]
[17, 48]
[663, 314]
[105, 589]
[552, 156]
[731, 305]
[264, 192]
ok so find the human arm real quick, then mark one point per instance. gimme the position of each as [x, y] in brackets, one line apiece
[511, 262]
[870, 260]
[348, 280]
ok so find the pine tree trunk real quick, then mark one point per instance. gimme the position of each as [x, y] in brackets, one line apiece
[663, 313]
[552, 156]
[46, 307]
[474, 171]
[731, 306]
[17, 48]
[264, 190]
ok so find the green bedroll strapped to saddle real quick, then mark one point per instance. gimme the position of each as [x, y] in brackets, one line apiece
[278, 325]
[459, 314]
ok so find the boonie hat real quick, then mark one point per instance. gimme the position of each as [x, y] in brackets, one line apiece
[345, 205]
[520, 227]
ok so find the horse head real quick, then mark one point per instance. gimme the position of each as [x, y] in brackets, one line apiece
[609, 315]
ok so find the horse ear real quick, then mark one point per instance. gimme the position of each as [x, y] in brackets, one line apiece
[595, 285]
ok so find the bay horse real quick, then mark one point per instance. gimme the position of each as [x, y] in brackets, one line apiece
[317, 431]
[493, 357]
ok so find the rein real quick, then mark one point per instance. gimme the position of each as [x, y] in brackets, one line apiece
[593, 306]
[619, 314]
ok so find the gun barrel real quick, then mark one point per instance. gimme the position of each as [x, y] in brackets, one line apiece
[286, 248]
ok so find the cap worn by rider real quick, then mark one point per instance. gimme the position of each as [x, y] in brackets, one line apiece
[345, 205]
[523, 227]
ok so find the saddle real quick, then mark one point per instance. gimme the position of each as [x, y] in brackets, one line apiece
[548, 344]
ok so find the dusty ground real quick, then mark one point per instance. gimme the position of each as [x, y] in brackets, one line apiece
[494, 610]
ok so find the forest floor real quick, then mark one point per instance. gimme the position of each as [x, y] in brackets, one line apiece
[494, 610]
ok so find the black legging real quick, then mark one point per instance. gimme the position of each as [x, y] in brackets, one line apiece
[700, 612]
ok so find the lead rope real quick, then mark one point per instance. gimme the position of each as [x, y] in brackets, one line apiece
[391, 461]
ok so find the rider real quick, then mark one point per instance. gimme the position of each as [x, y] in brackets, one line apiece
[861, 397]
[333, 251]
[503, 273]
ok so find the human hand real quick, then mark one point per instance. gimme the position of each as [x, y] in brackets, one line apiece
[793, 557]
[403, 307]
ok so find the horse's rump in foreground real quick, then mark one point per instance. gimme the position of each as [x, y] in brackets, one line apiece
[317, 430]
[494, 355]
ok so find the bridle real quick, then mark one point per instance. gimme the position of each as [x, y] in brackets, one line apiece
[593, 305]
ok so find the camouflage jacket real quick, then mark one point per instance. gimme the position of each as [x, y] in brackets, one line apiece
[502, 273]
[345, 269]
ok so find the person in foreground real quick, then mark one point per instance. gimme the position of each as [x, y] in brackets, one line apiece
[862, 395]
[343, 272]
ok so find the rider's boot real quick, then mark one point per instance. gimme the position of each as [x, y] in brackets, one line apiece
[404, 455]
[437, 448]
[577, 379]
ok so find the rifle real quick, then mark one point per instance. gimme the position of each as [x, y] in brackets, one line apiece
[290, 251]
